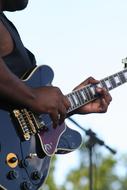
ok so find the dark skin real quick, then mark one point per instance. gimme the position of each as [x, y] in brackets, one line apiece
[44, 99]
[9, 5]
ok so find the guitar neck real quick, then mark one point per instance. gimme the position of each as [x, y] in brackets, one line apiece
[87, 94]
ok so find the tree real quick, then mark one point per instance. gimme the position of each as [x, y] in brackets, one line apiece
[50, 183]
[105, 173]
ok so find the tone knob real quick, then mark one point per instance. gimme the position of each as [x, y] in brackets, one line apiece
[13, 174]
[36, 175]
[12, 160]
[26, 185]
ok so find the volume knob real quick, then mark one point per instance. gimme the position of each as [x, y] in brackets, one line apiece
[26, 185]
[12, 160]
[36, 175]
[13, 174]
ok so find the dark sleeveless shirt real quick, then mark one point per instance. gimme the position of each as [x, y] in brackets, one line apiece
[20, 60]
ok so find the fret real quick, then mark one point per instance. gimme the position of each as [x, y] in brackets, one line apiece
[92, 88]
[99, 85]
[107, 84]
[88, 93]
[83, 95]
[111, 78]
[82, 101]
[85, 90]
[103, 82]
[122, 77]
[91, 91]
[71, 100]
[77, 98]
[117, 79]
[74, 99]
[125, 74]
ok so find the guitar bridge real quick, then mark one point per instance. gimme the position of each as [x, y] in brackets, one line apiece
[26, 121]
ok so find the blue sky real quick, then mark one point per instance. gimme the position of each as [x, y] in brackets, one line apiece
[78, 39]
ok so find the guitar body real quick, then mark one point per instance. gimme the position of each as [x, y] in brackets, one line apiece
[24, 164]
[18, 159]
[20, 167]
[48, 137]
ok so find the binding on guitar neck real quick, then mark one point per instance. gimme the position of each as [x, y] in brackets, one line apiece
[2, 188]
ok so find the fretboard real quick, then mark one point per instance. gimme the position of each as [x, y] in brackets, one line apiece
[87, 94]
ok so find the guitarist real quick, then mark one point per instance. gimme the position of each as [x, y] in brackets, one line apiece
[16, 60]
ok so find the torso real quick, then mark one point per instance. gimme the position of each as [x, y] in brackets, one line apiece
[16, 57]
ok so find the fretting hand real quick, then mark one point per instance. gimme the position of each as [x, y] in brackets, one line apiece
[100, 105]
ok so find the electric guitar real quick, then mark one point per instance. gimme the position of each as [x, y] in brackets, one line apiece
[28, 141]
[24, 157]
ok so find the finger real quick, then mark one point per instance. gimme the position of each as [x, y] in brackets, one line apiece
[108, 98]
[89, 80]
[62, 118]
[55, 118]
[104, 106]
[63, 113]
[104, 94]
[66, 103]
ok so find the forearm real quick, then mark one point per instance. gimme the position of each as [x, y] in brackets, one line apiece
[12, 89]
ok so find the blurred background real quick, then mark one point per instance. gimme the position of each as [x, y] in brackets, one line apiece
[78, 39]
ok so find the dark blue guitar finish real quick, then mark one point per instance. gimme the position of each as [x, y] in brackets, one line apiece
[20, 167]
[28, 141]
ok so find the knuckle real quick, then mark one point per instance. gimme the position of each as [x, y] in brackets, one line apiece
[90, 78]
[57, 89]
